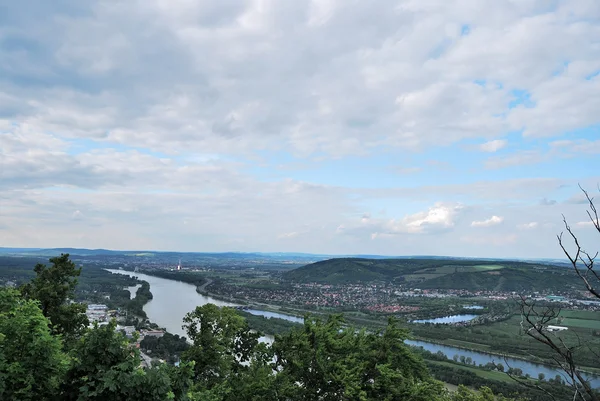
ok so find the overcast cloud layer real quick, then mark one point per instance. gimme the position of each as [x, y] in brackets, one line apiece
[328, 126]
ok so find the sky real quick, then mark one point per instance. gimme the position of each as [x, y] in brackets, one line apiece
[408, 127]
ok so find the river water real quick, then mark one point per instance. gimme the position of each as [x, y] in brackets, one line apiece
[172, 300]
[133, 290]
[448, 319]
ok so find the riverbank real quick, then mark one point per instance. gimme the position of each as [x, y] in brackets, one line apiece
[539, 361]
[297, 313]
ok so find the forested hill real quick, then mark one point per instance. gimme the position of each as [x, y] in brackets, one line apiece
[437, 273]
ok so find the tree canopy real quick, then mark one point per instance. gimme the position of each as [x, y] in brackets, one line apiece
[54, 288]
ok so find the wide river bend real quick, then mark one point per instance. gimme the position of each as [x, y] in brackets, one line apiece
[172, 300]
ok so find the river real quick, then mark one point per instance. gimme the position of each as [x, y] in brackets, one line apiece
[447, 319]
[172, 300]
[133, 290]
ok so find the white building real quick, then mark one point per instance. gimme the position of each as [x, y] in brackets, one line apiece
[556, 328]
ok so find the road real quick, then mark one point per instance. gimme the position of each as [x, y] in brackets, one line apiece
[202, 288]
[146, 360]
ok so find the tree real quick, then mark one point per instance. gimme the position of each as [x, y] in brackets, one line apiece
[541, 376]
[31, 360]
[222, 344]
[54, 288]
[106, 367]
[537, 319]
[327, 360]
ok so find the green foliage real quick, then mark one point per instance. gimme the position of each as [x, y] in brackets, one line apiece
[222, 344]
[142, 296]
[31, 360]
[168, 347]
[106, 367]
[272, 325]
[54, 287]
[508, 388]
[328, 361]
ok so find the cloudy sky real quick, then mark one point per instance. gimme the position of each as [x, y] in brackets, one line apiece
[327, 126]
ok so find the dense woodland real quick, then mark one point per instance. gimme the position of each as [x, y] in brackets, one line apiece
[48, 353]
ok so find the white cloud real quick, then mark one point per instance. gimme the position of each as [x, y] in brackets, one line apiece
[528, 226]
[493, 146]
[517, 159]
[397, 68]
[582, 146]
[438, 218]
[144, 115]
[288, 235]
[492, 221]
[584, 224]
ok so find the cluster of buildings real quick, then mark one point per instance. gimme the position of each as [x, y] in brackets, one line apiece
[392, 308]
[384, 298]
[131, 330]
[373, 297]
[97, 313]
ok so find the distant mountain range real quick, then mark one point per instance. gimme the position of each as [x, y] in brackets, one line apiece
[246, 255]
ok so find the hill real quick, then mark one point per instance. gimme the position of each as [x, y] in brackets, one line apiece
[472, 275]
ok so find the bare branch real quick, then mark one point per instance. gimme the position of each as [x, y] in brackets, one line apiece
[592, 213]
[589, 264]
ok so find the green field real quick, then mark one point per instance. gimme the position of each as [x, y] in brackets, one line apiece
[421, 276]
[581, 314]
[581, 323]
[486, 267]
[431, 272]
[486, 374]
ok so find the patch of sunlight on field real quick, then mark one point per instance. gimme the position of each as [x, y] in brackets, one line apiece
[488, 267]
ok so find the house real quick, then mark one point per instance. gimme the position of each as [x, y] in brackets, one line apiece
[96, 312]
[556, 328]
[153, 333]
[129, 330]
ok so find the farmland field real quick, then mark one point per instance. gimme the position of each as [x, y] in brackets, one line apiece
[581, 323]
[490, 375]
[449, 269]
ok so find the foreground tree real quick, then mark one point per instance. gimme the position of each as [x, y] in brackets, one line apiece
[54, 288]
[31, 361]
[537, 319]
[329, 361]
[106, 367]
[223, 346]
